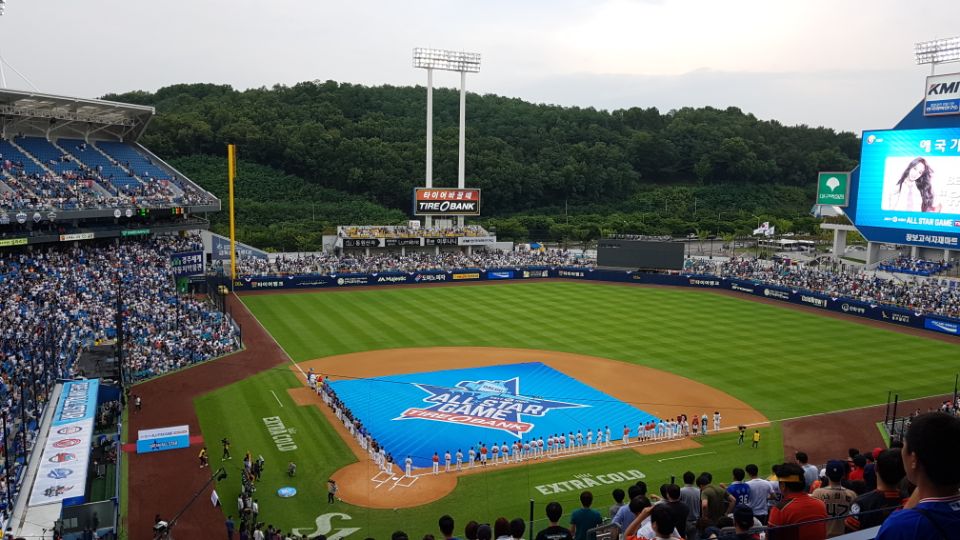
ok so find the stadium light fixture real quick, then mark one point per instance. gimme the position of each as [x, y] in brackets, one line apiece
[446, 60]
[937, 51]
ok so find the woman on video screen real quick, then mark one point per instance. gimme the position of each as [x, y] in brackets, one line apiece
[919, 174]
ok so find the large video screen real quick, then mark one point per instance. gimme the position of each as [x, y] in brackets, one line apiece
[910, 179]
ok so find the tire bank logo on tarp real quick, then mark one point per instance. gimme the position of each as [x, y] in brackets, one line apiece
[488, 404]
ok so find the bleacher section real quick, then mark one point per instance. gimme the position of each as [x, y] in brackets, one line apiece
[132, 159]
[15, 161]
[101, 164]
[46, 153]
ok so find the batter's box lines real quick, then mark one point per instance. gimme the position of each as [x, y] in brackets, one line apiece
[382, 478]
[410, 480]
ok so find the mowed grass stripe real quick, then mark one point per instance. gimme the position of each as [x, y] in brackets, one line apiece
[729, 343]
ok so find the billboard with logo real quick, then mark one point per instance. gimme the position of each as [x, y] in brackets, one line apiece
[446, 202]
[833, 188]
[942, 95]
[909, 181]
[66, 453]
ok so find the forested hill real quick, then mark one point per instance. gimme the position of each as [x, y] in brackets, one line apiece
[369, 141]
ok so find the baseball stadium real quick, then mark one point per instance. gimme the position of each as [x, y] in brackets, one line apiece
[170, 372]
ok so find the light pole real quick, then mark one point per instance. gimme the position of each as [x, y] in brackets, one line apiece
[446, 60]
[937, 51]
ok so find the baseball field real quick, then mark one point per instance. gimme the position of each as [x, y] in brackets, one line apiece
[660, 351]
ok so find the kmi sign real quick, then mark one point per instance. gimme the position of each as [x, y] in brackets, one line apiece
[942, 95]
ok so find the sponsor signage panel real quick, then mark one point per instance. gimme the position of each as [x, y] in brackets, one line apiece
[220, 245]
[942, 95]
[361, 242]
[187, 263]
[66, 454]
[833, 188]
[13, 242]
[76, 236]
[440, 241]
[401, 242]
[466, 276]
[500, 274]
[134, 232]
[161, 439]
[940, 325]
[446, 202]
[477, 240]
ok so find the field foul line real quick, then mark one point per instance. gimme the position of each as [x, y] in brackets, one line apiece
[686, 456]
[276, 398]
[264, 328]
[849, 409]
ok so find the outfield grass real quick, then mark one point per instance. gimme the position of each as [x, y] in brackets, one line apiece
[783, 362]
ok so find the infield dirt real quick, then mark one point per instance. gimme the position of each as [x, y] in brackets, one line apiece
[657, 392]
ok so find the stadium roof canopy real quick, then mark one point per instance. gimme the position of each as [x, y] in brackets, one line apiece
[62, 116]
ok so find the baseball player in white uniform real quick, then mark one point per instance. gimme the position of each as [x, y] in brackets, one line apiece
[459, 460]
[408, 466]
[446, 461]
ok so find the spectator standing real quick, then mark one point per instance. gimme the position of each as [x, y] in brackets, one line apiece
[585, 518]
[760, 492]
[930, 457]
[618, 496]
[837, 498]
[864, 513]
[554, 531]
[715, 501]
[739, 489]
[810, 472]
[690, 495]
[796, 506]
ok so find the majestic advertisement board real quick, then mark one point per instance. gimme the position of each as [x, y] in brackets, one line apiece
[220, 245]
[833, 188]
[446, 202]
[66, 453]
[942, 95]
[910, 180]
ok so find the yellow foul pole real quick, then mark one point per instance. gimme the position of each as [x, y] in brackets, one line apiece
[231, 175]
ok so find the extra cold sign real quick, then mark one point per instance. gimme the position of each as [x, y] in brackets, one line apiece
[446, 202]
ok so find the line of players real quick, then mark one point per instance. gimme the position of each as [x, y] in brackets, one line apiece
[538, 448]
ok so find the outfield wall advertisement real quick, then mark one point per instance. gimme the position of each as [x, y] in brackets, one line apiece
[889, 314]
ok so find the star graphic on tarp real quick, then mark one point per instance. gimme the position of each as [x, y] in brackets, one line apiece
[488, 404]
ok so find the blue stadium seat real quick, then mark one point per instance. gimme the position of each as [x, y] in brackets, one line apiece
[133, 160]
[48, 154]
[9, 152]
[100, 163]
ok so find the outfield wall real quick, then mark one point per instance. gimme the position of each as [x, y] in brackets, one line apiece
[888, 314]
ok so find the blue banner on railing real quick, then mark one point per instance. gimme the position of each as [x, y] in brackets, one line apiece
[78, 401]
[817, 300]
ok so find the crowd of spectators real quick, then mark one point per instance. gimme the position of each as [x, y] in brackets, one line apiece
[71, 185]
[921, 296]
[918, 267]
[399, 231]
[909, 491]
[56, 302]
[322, 263]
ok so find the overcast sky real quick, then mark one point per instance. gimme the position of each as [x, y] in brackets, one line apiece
[842, 64]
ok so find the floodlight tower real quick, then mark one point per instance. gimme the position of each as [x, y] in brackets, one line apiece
[446, 60]
[937, 51]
